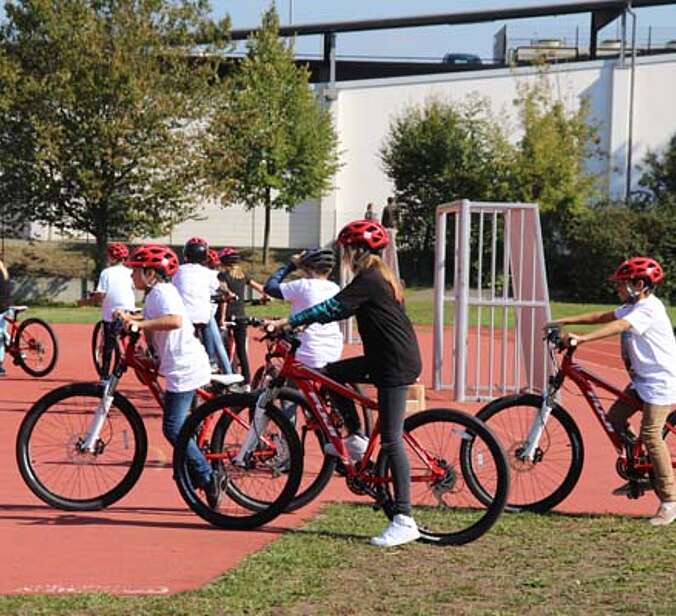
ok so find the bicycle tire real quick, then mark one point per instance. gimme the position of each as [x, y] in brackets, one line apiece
[62, 402]
[469, 518]
[513, 433]
[670, 439]
[32, 348]
[249, 519]
[313, 481]
[97, 349]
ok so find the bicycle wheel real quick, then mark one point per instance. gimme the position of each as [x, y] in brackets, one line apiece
[37, 347]
[317, 467]
[543, 483]
[50, 459]
[270, 474]
[445, 509]
[669, 436]
[97, 349]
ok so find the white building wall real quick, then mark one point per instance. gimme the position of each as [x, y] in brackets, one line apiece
[364, 111]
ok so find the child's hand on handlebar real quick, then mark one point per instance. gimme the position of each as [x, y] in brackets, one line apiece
[127, 319]
[572, 341]
[275, 325]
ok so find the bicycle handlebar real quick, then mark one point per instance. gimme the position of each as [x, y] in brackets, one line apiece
[222, 296]
[553, 336]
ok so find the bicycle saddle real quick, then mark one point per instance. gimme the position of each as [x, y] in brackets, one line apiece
[18, 309]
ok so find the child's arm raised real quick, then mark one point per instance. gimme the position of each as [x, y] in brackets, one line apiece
[589, 318]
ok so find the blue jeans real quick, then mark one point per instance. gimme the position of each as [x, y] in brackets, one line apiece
[213, 342]
[4, 338]
[176, 409]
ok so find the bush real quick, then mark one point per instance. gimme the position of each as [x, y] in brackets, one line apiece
[598, 240]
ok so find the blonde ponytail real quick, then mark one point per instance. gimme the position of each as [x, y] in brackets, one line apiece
[366, 260]
[3, 271]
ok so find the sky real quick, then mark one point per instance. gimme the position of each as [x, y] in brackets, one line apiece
[434, 41]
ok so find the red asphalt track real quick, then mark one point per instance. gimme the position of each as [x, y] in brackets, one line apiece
[149, 542]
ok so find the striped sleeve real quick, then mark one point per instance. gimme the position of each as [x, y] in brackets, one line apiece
[325, 312]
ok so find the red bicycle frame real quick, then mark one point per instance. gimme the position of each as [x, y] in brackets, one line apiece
[146, 370]
[585, 381]
[310, 382]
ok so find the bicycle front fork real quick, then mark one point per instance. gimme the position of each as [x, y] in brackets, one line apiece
[258, 425]
[537, 428]
[100, 415]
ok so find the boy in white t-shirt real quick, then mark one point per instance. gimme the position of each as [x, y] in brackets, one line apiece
[115, 290]
[183, 360]
[649, 350]
[320, 344]
[196, 283]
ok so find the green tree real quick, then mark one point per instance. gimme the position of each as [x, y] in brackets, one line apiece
[271, 143]
[659, 178]
[99, 122]
[553, 153]
[439, 152]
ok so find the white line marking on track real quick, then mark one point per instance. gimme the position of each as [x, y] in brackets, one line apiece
[62, 589]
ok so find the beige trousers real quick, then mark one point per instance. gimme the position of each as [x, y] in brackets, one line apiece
[652, 422]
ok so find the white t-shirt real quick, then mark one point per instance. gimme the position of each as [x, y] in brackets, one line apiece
[183, 360]
[116, 283]
[651, 350]
[320, 344]
[196, 284]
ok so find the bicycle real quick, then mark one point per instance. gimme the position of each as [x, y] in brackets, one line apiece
[544, 444]
[227, 327]
[82, 447]
[31, 343]
[458, 493]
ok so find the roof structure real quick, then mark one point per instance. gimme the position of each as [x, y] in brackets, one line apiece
[331, 69]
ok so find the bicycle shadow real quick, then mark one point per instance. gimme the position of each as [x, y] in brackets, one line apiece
[43, 515]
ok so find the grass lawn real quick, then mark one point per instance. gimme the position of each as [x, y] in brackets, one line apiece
[527, 564]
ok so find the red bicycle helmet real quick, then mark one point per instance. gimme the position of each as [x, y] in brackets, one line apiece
[154, 256]
[639, 267]
[117, 251]
[229, 255]
[212, 259]
[364, 232]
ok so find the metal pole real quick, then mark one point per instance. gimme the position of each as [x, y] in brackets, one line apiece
[632, 87]
[290, 12]
[623, 37]
[439, 293]
[462, 300]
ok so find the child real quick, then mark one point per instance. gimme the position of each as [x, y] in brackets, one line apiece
[320, 344]
[4, 306]
[183, 360]
[196, 283]
[237, 280]
[214, 337]
[649, 349]
[391, 355]
[114, 291]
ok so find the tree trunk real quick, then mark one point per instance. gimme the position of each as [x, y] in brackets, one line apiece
[100, 257]
[266, 231]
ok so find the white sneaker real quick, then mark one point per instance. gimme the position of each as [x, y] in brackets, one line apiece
[666, 514]
[355, 444]
[402, 529]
